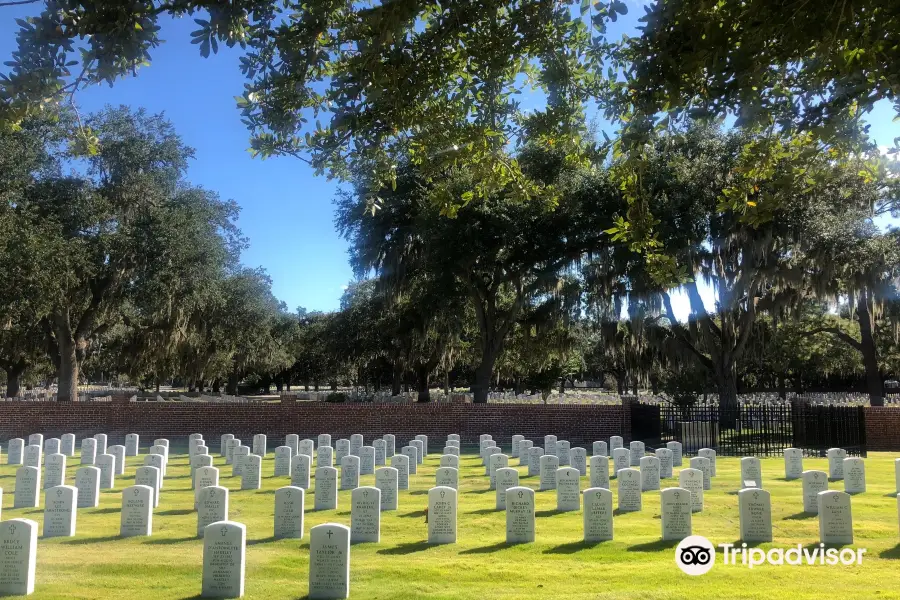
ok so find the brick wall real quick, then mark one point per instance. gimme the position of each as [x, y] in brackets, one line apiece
[580, 424]
[882, 428]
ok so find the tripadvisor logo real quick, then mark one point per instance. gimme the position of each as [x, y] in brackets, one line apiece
[696, 555]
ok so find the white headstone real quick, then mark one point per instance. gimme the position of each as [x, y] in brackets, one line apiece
[137, 511]
[367, 460]
[292, 441]
[637, 449]
[87, 482]
[349, 472]
[205, 477]
[28, 487]
[665, 462]
[755, 509]
[300, 471]
[52, 446]
[283, 456]
[578, 460]
[506, 478]
[497, 461]
[118, 451]
[813, 483]
[598, 514]
[549, 466]
[621, 460]
[550, 445]
[230, 446]
[675, 511]
[854, 475]
[341, 449]
[389, 445]
[32, 456]
[306, 446]
[615, 441]
[515, 445]
[107, 465]
[563, 447]
[356, 442]
[534, 460]
[525, 447]
[702, 465]
[568, 489]
[14, 453]
[411, 453]
[447, 476]
[599, 449]
[442, 515]
[223, 443]
[259, 445]
[649, 473]
[251, 473]
[677, 453]
[836, 458]
[326, 494]
[224, 560]
[751, 473]
[237, 460]
[449, 460]
[692, 481]
[132, 444]
[420, 450]
[793, 463]
[60, 511]
[401, 463]
[629, 488]
[386, 482]
[329, 562]
[198, 462]
[101, 442]
[599, 471]
[18, 545]
[67, 444]
[424, 439]
[289, 507]
[54, 470]
[36, 439]
[380, 456]
[365, 515]
[519, 502]
[158, 461]
[835, 518]
[325, 456]
[149, 476]
[323, 439]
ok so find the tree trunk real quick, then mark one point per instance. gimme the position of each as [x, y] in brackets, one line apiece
[874, 385]
[13, 374]
[231, 388]
[200, 385]
[422, 373]
[217, 385]
[482, 383]
[726, 386]
[397, 381]
[447, 383]
[68, 370]
[279, 386]
[334, 386]
[782, 387]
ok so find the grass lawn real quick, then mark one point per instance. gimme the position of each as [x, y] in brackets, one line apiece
[96, 564]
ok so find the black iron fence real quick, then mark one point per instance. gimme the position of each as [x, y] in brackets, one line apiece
[752, 430]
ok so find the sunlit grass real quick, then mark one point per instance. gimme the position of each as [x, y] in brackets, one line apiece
[96, 564]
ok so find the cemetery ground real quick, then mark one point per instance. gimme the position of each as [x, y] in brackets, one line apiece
[636, 564]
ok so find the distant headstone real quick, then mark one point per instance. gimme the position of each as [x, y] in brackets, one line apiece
[51, 446]
[365, 515]
[598, 515]
[751, 473]
[87, 482]
[692, 481]
[32, 456]
[367, 460]
[137, 511]
[28, 487]
[424, 439]
[519, 502]
[60, 511]
[251, 473]
[239, 455]
[449, 460]
[453, 437]
[162, 452]
[380, 456]
[341, 449]
[755, 510]
[197, 462]
[158, 461]
[401, 463]
[411, 453]
[813, 483]
[836, 458]
[677, 453]
[550, 445]
[107, 465]
[259, 445]
[835, 518]
[621, 460]
[389, 445]
[118, 451]
[629, 484]
[325, 456]
[224, 560]
[578, 460]
[675, 511]
[18, 546]
[306, 446]
[637, 449]
[292, 441]
[223, 443]
[506, 478]
[599, 449]
[709, 454]
[132, 444]
[420, 450]
[615, 441]
[525, 447]
[549, 466]
[54, 470]
[326, 494]
[289, 507]
[854, 475]
[599, 471]
[534, 460]
[515, 445]
[350, 472]
[329, 562]
[14, 451]
[563, 447]
[36, 439]
[323, 439]
[205, 477]
[283, 456]
[497, 461]
[149, 476]
[442, 515]
[649, 473]
[665, 462]
[230, 446]
[101, 443]
[793, 463]
[67, 444]
[568, 489]
[702, 465]
[356, 442]
[386, 482]
[447, 476]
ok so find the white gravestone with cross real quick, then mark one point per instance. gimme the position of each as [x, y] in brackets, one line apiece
[599, 471]
[87, 482]
[702, 465]
[675, 511]
[598, 515]
[283, 456]
[568, 489]
[136, 518]
[813, 483]
[755, 512]
[54, 470]
[854, 475]
[629, 487]
[132, 444]
[835, 518]
[224, 560]
[18, 546]
[60, 511]
[329, 562]
[301, 467]
[325, 456]
[28, 488]
[326, 493]
[692, 481]
[447, 476]
[349, 472]
[365, 515]
[386, 481]
[649, 473]
[621, 460]
[534, 460]
[836, 458]
[401, 463]
[205, 477]
[793, 463]
[506, 478]
[519, 503]
[442, 515]
[289, 507]
[549, 466]
[149, 476]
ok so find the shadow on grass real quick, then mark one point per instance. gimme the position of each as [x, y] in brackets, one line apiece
[413, 514]
[418, 493]
[83, 541]
[487, 491]
[653, 546]
[618, 512]
[179, 477]
[262, 541]
[571, 547]
[890, 552]
[483, 511]
[410, 548]
[891, 495]
[800, 516]
[170, 541]
[487, 549]
[267, 492]
[33, 512]
[550, 512]
[176, 511]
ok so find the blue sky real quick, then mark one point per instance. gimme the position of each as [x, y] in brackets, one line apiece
[287, 212]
